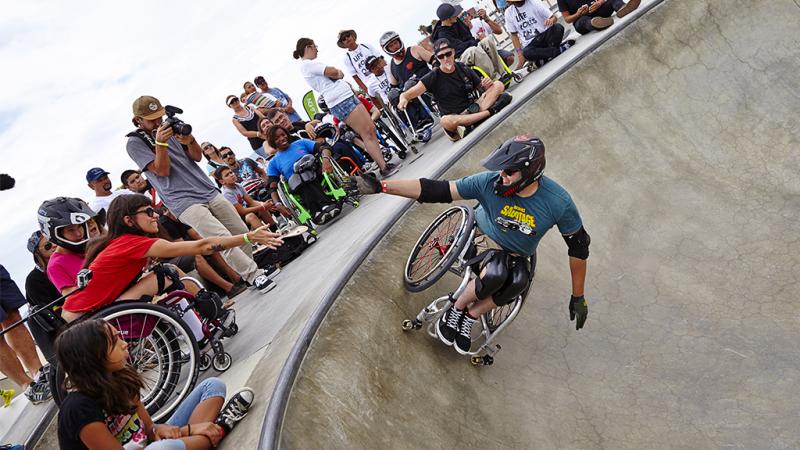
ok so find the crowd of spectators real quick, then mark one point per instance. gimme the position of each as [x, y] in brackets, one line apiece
[212, 219]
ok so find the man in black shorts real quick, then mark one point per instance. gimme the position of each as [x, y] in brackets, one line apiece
[594, 15]
[518, 205]
[454, 86]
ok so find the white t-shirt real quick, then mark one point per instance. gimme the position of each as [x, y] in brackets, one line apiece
[378, 86]
[527, 20]
[354, 61]
[334, 91]
[98, 203]
[480, 29]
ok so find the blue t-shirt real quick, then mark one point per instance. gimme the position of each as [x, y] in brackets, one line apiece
[518, 223]
[284, 99]
[283, 161]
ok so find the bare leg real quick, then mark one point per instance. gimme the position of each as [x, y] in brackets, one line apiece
[20, 340]
[253, 221]
[207, 410]
[453, 121]
[469, 300]
[10, 365]
[209, 274]
[360, 121]
[490, 96]
[219, 263]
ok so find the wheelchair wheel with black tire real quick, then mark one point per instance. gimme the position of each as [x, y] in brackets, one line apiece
[501, 314]
[161, 348]
[296, 213]
[438, 247]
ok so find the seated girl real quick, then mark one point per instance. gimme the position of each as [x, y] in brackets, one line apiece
[102, 409]
[118, 257]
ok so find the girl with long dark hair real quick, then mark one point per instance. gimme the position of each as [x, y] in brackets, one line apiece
[102, 409]
[118, 257]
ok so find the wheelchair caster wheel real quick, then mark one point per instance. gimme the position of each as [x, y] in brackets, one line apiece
[222, 361]
[401, 155]
[517, 78]
[476, 360]
[232, 330]
[407, 325]
[204, 363]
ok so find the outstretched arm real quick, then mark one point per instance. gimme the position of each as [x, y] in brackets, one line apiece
[423, 190]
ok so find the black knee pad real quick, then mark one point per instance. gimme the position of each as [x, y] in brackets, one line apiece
[495, 272]
[519, 278]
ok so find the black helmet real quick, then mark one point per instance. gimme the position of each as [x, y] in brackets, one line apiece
[322, 105]
[57, 213]
[388, 37]
[523, 153]
[325, 130]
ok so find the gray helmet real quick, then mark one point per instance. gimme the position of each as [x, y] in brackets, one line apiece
[389, 36]
[60, 212]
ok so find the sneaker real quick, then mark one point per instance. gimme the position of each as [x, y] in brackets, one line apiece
[464, 336]
[566, 44]
[628, 8]
[38, 392]
[263, 283]
[389, 170]
[369, 167]
[7, 395]
[271, 270]
[425, 135]
[500, 103]
[601, 23]
[235, 409]
[237, 288]
[447, 326]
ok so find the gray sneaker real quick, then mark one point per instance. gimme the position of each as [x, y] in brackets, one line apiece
[389, 170]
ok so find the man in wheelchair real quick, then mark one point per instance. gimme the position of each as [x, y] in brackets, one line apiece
[517, 206]
[298, 163]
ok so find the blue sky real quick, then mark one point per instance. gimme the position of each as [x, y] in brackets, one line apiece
[72, 69]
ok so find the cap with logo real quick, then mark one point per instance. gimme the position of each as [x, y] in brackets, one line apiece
[147, 107]
[95, 174]
[371, 59]
[446, 11]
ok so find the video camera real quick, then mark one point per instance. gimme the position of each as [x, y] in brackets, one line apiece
[178, 126]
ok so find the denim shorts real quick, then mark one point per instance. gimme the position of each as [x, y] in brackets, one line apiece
[343, 109]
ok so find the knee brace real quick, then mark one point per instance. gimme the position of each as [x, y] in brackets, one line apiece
[493, 276]
[578, 244]
[519, 278]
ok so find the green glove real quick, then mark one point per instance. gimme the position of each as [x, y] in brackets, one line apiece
[578, 308]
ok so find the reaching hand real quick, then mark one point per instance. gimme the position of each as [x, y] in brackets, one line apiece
[262, 235]
[368, 184]
[578, 309]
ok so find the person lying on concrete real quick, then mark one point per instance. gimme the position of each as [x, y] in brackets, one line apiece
[454, 87]
[518, 205]
[594, 15]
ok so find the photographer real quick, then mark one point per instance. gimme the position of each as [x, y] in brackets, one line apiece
[168, 153]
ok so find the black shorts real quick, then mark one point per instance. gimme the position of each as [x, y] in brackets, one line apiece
[11, 298]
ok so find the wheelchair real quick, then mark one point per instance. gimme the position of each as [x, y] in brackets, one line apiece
[162, 348]
[507, 78]
[447, 245]
[338, 185]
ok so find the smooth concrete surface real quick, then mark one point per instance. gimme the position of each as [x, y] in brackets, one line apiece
[679, 141]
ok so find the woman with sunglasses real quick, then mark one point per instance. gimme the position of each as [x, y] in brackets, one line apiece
[517, 206]
[39, 292]
[118, 258]
[245, 120]
[213, 159]
[328, 81]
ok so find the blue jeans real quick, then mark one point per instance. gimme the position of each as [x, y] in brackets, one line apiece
[343, 109]
[208, 388]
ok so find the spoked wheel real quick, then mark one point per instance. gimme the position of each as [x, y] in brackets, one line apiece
[497, 316]
[222, 361]
[438, 247]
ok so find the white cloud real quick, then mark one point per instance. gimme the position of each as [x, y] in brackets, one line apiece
[72, 69]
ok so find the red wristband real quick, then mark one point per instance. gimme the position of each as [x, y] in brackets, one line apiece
[384, 188]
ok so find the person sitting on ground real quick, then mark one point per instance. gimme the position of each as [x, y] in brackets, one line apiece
[17, 345]
[355, 56]
[98, 181]
[468, 50]
[213, 160]
[256, 214]
[482, 26]
[118, 257]
[594, 15]
[102, 409]
[517, 207]
[170, 162]
[40, 292]
[68, 223]
[452, 85]
[245, 169]
[282, 97]
[245, 120]
[134, 181]
[540, 31]
[213, 267]
[313, 197]
[328, 82]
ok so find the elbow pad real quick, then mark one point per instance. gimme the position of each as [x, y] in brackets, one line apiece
[578, 244]
[434, 191]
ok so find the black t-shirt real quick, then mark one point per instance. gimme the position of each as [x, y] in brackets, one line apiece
[76, 411]
[572, 5]
[39, 290]
[174, 229]
[450, 90]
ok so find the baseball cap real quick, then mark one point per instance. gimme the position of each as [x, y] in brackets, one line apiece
[343, 34]
[446, 11]
[96, 173]
[440, 45]
[33, 241]
[229, 98]
[147, 107]
[371, 59]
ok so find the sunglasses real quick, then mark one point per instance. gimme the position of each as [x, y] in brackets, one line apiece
[225, 155]
[48, 246]
[510, 172]
[149, 211]
[442, 56]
